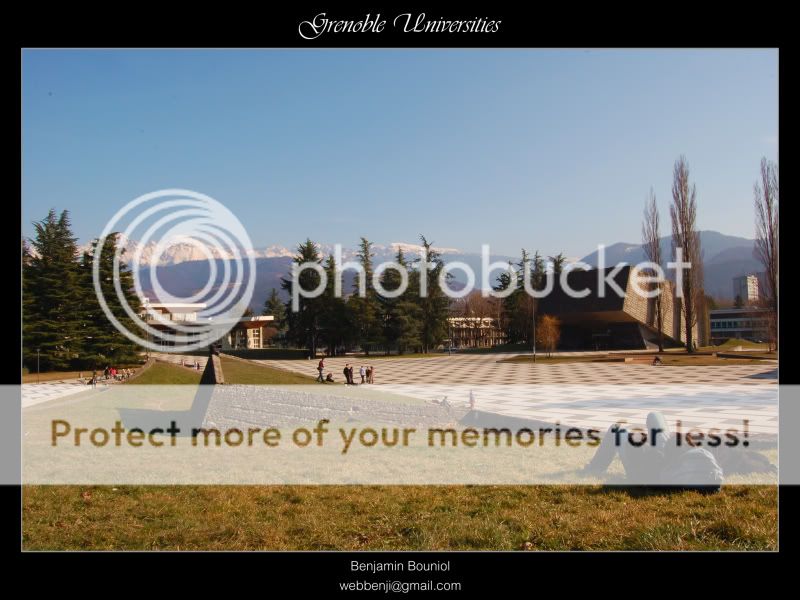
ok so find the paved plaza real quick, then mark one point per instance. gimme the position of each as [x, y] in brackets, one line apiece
[36, 393]
[580, 394]
[576, 394]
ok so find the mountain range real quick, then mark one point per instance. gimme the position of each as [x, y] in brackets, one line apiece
[183, 267]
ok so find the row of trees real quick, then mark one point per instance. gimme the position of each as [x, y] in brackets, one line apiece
[685, 245]
[409, 322]
[63, 325]
[694, 303]
[517, 306]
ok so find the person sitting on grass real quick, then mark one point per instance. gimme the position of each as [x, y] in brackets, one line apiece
[657, 360]
[658, 460]
[329, 378]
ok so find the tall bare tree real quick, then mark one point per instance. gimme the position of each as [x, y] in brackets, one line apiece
[685, 237]
[766, 247]
[651, 243]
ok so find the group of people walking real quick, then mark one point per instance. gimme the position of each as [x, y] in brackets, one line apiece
[367, 374]
[111, 373]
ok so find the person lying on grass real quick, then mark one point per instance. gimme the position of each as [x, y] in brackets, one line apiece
[660, 460]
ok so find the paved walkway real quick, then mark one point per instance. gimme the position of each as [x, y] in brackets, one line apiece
[36, 393]
[484, 369]
[580, 394]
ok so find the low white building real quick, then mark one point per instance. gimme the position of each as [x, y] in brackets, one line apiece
[245, 333]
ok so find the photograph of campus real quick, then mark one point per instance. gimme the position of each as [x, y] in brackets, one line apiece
[396, 299]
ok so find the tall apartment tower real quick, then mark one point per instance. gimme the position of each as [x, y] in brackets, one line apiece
[746, 288]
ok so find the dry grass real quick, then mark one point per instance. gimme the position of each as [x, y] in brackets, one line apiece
[241, 371]
[395, 518]
[167, 374]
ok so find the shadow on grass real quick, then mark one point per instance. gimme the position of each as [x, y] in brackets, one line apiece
[649, 491]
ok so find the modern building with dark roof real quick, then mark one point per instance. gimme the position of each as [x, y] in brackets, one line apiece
[612, 321]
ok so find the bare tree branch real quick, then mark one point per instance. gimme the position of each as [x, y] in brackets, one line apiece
[651, 243]
[766, 246]
[685, 237]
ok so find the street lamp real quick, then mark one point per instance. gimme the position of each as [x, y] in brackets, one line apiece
[533, 318]
[37, 365]
[450, 345]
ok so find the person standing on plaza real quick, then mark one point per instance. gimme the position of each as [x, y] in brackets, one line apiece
[363, 372]
[321, 369]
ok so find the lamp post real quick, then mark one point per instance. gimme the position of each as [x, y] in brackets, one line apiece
[37, 365]
[533, 319]
[450, 345]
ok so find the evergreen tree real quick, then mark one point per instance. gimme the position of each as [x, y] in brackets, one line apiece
[517, 308]
[400, 317]
[559, 262]
[52, 295]
[365, 309]
[336, 323]
[29, 305]
[274, 306]
[508, 304]
[434, 307]
[104, 344]
[303, 325]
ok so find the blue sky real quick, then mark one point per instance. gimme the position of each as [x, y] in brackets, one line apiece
[544, 149]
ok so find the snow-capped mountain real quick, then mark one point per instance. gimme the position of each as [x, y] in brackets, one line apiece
[180, 250]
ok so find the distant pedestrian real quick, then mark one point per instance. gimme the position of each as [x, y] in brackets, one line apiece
[350, 375]
[329, 378]
[346, 373]
[321, 369]
[105, 372]
[363, 372]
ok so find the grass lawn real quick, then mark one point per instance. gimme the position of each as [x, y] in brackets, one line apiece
[55, 376]
[732, 343]
[240, 371]
[395, 518]
[166, 374]
[66, 375]
[235, 371]
[366, 359]
[554, 360]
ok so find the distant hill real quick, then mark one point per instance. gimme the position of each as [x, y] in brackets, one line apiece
[724, 257]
